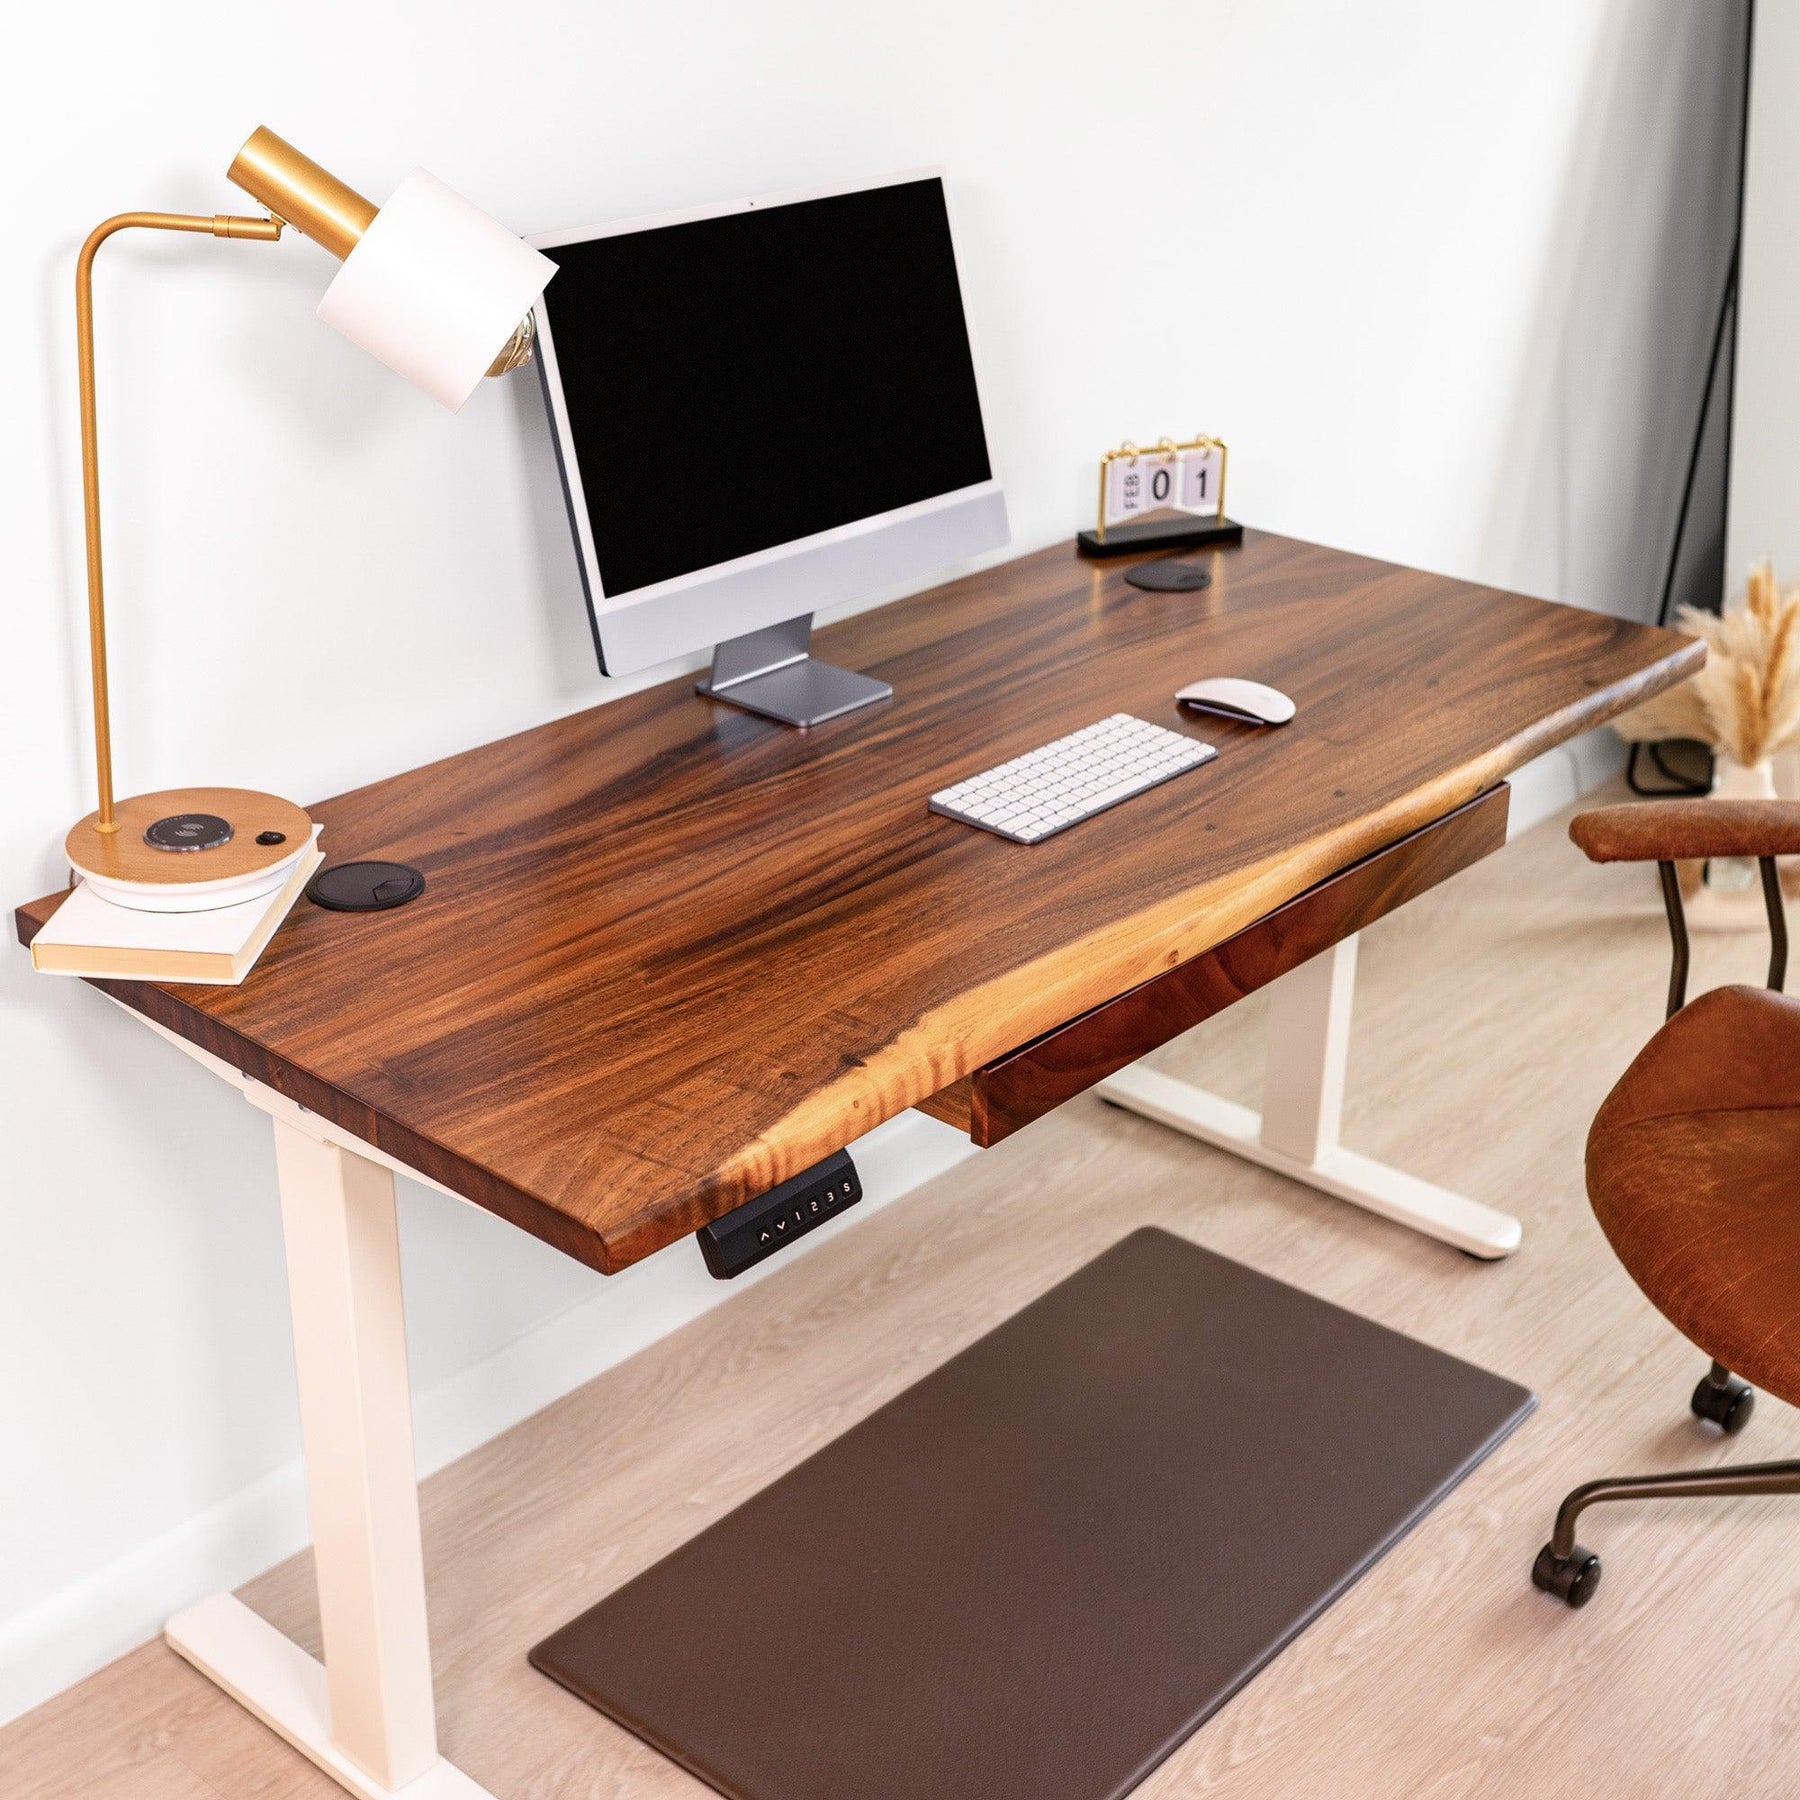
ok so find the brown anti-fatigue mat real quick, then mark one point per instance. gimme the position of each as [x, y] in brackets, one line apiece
[1037, 1570]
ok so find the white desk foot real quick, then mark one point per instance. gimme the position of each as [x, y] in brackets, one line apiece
[284, 1687]
[1297, 1133]
[365, 1715]
[1361, 1180]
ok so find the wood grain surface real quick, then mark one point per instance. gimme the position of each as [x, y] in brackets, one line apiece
[671, 953]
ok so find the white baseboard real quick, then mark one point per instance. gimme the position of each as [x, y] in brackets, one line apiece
[87, 1624]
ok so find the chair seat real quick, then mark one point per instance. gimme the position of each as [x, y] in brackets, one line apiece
[1693, 1168]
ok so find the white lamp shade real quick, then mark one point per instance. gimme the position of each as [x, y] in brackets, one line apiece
[434, 288]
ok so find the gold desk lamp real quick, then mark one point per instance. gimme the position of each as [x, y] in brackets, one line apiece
[433, 288]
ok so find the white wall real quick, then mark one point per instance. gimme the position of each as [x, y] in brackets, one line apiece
[1765, 448]
[1435, 272]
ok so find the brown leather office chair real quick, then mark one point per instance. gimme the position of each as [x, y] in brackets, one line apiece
[1693, 1164]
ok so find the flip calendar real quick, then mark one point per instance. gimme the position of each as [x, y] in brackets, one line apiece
[1167, 477]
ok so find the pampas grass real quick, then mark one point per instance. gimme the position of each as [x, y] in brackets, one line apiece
[1746, 701]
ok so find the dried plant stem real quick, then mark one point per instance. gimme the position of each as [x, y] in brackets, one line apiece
[1746, 701]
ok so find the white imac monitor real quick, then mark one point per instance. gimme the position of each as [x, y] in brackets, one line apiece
[761, 409]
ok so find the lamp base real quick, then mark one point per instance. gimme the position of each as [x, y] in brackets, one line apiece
[190, 849]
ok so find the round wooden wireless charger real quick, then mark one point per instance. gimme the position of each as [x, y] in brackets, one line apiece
[186, 849]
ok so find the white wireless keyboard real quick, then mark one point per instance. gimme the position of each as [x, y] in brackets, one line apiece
[1045, 791]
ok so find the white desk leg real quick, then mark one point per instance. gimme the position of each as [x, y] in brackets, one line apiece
[1303, 1099]
[366, 1716]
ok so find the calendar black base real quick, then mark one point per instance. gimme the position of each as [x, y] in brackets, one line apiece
[1159, 534]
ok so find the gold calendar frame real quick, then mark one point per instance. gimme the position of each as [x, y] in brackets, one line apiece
[1162, 449]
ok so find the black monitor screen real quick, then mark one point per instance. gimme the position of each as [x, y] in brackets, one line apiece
[740, 382]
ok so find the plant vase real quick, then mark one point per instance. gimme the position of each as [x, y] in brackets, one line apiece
[1728, 896]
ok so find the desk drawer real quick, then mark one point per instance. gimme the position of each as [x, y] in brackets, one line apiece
[1028, 1082]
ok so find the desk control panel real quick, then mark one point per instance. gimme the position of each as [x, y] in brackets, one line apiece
[757, 1229]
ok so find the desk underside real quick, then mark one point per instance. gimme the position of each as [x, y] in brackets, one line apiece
[1005, 1095]
[670, 953]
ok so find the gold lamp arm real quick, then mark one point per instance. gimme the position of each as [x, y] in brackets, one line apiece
[297, 192]
[224, 225]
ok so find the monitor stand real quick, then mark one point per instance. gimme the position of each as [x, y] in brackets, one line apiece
[769, 672]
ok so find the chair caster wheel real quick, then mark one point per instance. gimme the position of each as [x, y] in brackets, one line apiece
[1572, 1578]
[1729, 1407]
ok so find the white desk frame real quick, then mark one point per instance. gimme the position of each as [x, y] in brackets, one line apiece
[1296, 1133]
[365, 1715]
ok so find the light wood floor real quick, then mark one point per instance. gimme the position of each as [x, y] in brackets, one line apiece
[1492, 1016]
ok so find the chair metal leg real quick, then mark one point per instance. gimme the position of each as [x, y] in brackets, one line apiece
[1678, 937]
[1570, 1572]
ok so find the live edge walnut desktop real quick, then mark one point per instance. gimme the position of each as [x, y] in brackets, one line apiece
[670, 954]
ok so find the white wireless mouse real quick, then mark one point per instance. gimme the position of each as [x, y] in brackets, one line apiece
[1238, 699]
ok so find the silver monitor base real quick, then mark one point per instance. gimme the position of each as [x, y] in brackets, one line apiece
[769, 672]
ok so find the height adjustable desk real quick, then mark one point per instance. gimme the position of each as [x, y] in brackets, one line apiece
[670, 954]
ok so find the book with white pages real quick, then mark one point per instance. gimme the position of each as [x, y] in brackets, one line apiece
[93, 937]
